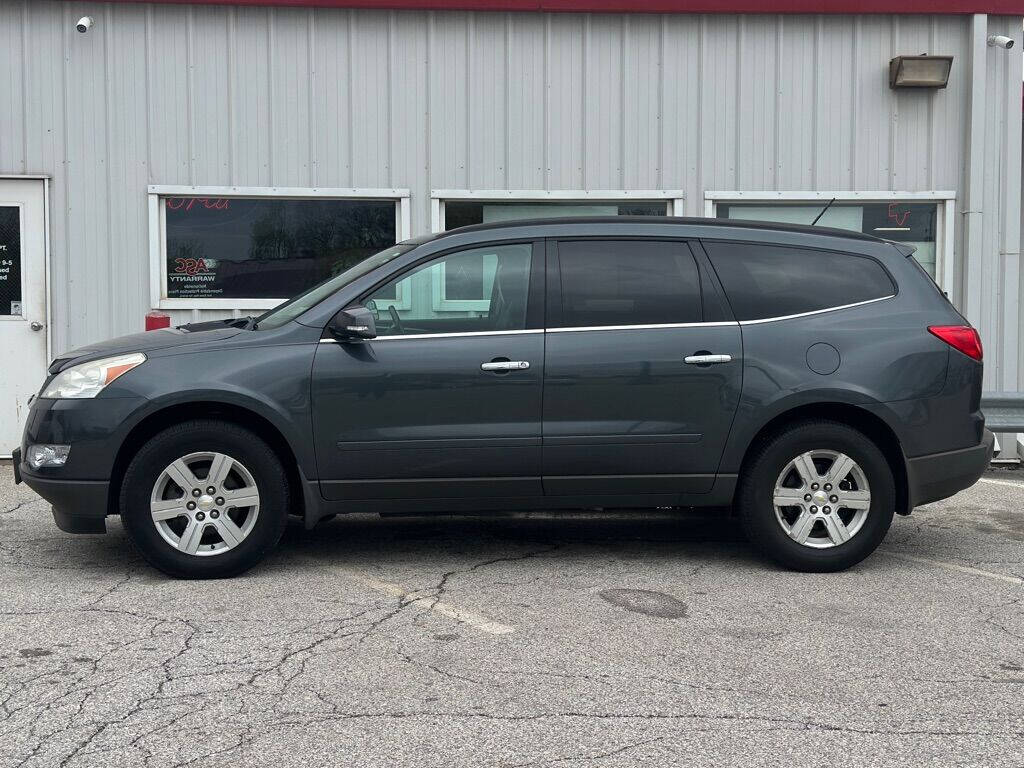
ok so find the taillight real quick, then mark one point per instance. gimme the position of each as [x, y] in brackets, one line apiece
[962, 338]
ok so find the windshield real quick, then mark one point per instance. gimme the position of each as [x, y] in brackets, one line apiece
[294, 307]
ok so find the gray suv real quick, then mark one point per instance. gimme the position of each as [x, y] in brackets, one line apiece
[811, 381]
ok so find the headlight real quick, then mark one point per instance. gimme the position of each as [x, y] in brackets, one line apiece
[88, 379]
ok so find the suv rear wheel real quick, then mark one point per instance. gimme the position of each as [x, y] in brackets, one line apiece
[818, 496]
[205, 499]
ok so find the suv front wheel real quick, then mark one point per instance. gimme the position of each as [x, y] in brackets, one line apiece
[817, 496]
[205, 499]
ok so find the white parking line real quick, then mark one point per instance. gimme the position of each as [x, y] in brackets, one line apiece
[954, 567]
[470, 619]
[1001, 482]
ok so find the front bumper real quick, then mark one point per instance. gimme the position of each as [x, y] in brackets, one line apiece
[80, 490]
[79, 506]
[940, 475]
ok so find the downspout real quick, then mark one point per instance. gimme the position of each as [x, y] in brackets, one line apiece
[974, 187]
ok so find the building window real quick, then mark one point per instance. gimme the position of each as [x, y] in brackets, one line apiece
[461, 208]
[226, 249]
[918, 219]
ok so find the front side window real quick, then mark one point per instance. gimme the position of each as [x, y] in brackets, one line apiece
[267, 248]
[486, 289]
[627, 282]
[763, 281]
[906, 222]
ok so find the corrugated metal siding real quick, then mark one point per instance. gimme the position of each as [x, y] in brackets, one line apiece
[249, 96]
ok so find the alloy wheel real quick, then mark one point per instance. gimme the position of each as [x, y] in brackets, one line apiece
[821, 499]
[205, 503]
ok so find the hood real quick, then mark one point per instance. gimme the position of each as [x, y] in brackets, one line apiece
[148, 341]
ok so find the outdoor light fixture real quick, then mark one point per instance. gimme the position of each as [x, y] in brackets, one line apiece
[919, 71]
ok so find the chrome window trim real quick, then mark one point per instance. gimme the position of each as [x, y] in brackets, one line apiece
[443, 335]
[816, 311]
[574, 329]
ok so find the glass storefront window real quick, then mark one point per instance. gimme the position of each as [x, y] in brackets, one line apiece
[462, 285]
[911, 223]
[462, 213]
[267, 248]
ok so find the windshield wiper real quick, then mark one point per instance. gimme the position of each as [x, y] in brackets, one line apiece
[247, 323]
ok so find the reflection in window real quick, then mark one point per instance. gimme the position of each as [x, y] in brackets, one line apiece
[267, 248]
[482, 289]
[911, 223]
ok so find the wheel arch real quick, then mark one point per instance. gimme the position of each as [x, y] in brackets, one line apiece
[860, 419]
[176, 413]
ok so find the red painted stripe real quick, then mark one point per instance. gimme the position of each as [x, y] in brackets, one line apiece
[998, 7]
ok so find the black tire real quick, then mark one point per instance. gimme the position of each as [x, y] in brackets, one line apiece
[755, 495]
[194, 437]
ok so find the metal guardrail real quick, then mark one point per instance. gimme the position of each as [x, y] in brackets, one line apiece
[1004, 411]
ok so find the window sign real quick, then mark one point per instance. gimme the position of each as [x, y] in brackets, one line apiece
[911, 223]
[268, 248]
[10, 260]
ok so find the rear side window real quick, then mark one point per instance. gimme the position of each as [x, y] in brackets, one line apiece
[765, 281]
[628, 282]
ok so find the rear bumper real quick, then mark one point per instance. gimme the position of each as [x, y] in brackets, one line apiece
[940, 475]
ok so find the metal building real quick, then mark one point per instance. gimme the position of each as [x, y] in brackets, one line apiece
[212, 158]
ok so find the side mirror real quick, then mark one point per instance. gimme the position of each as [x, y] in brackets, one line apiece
[353, 324]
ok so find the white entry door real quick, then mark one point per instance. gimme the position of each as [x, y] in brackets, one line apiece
[23, 322]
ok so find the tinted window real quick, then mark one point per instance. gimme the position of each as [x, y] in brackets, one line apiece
[482, 289]
[622, 282]
[773, 281]
[266, 248]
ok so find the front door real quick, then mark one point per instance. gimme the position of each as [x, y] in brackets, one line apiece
[22, 303]
[639, 390]
[446, 401]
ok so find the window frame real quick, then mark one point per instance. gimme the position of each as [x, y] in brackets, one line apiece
[673, 199]
[156, 193]
[944, 215]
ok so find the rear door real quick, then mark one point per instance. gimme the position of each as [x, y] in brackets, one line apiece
[642, 375]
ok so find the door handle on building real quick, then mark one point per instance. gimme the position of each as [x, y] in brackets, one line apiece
[35, 326]
[505, 365]
[707, 359]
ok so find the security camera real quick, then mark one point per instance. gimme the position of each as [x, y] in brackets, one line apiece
[85, 23]
[1001, 40]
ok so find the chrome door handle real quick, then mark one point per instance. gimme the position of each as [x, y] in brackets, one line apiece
[505, 365]
[35, 326]
[707, 359]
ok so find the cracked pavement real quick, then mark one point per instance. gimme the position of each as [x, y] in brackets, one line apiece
[534, 640]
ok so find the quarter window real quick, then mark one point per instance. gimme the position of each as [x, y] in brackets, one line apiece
[764, 281]
[621, 282]
[487, 289]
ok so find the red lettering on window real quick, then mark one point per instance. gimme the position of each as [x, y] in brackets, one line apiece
[209, 203]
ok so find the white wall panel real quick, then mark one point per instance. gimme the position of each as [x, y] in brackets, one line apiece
[176, 94]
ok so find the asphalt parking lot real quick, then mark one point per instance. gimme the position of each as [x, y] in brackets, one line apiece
[642, 639]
